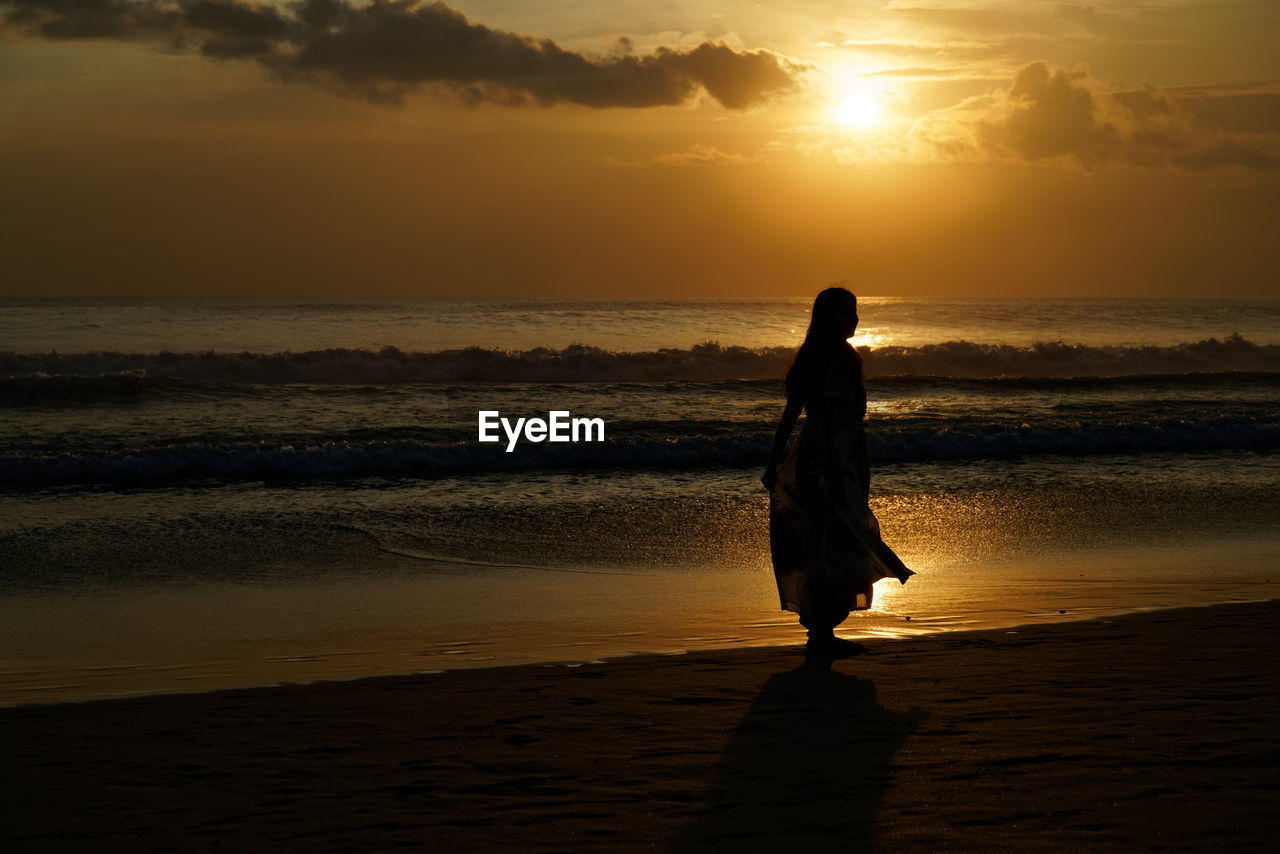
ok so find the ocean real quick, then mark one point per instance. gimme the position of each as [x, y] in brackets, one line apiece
[210, 493]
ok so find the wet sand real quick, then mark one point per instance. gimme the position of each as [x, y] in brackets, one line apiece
[1155, 731]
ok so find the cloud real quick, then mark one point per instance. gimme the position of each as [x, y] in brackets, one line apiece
[1241, 109]
[1086, 15]
[388, 49]
[1052, 113]
[704, 155]
[916, 46]
[914, 72]
[1056, 114]
[988, 19]
[1017, 47]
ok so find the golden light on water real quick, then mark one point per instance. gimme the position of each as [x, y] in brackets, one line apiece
[870, 338]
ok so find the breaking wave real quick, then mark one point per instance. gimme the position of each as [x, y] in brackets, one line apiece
[417, 458]
[106, 372]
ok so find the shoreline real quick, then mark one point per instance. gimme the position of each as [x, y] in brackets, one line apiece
[1158, 729]
[246, 666]
[246, 663]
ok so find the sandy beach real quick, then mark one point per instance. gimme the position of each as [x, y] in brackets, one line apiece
[1154, 731]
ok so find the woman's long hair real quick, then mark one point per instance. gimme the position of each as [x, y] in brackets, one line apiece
[823, 344]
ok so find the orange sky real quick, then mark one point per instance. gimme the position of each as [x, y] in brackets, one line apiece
[618, 148]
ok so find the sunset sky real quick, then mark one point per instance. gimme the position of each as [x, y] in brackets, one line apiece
[639, 148]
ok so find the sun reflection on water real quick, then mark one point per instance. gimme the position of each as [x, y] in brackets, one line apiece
[872, 337]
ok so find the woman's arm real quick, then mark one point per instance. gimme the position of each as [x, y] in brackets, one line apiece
[785, 425]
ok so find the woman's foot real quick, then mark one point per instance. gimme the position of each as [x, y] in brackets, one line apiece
[830, 646]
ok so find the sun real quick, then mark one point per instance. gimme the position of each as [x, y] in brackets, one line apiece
[857, 111]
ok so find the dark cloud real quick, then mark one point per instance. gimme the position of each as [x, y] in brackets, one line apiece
[1054, 113]
[389, 48]
[91, 19]
[1060, 114]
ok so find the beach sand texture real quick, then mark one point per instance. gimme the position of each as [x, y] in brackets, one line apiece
[1154, 731]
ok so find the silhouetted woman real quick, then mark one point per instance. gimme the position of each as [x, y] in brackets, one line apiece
[827, 551]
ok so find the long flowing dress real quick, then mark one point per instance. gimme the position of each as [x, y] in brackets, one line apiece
[825, 541]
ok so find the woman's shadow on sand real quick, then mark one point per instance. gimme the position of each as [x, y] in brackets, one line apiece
[805, 770]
